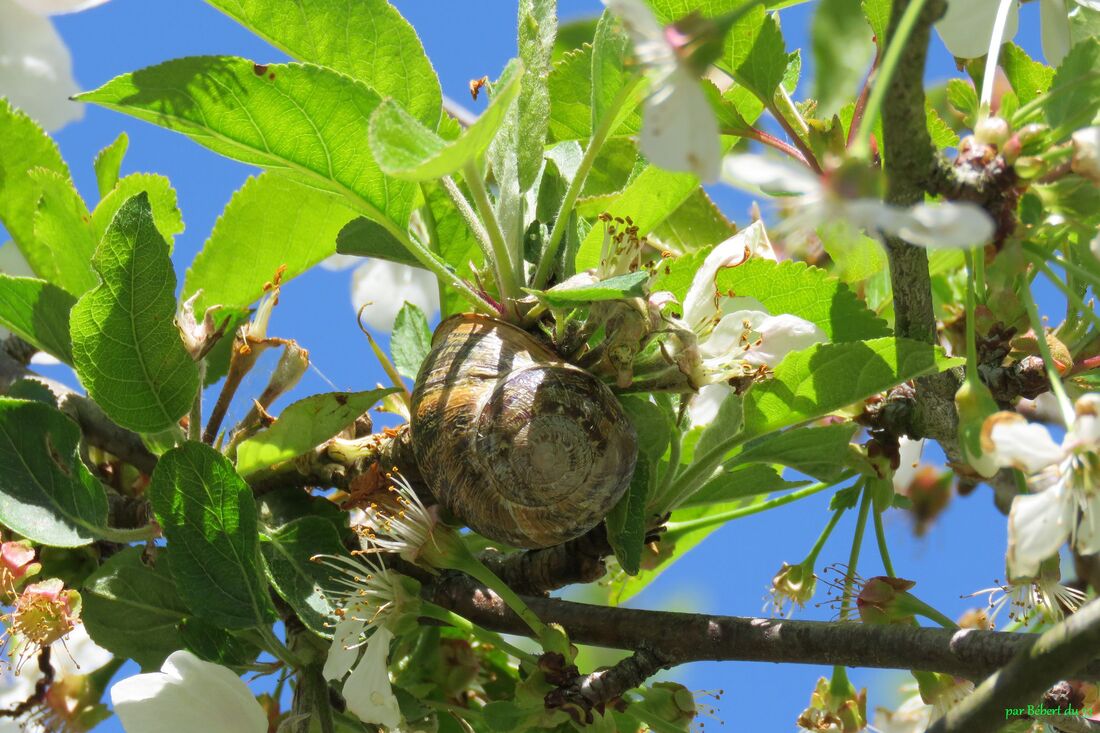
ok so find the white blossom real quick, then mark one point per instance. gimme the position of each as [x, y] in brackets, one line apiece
[1086, 153]
[1028, 598]
[909, 460]
[384, 287]
[187, 695]
[814, 202]
[679, 130]
[367, 690]
[36, 72]
[967, 26]
[1064, 480]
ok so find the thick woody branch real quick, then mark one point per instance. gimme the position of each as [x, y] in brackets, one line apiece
[537, 572]
[1061, 651]
[678, 638]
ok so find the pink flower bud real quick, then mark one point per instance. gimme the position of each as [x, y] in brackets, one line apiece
[44, 612]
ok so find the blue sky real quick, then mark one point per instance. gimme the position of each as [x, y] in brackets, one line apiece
[732, 570]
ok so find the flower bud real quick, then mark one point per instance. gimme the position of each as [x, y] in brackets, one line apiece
[835, 707]
[670, 702]
[16, 564]
[1029, 167]
[1086, 153]
[992, 131]
[793, 584]
[883, 600]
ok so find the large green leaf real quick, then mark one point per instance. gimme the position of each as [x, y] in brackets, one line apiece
[821, 452]
[25, 148]
[1029, 78]
[740, 482]
[538, 23]
[695, 224]
[46, 493]
[61, 252]
[126, 348]
[271, 222]
[209, 518]
[411, 340]
[826, 377]
[367, 39]
[38, 313]
[162, 199]
[304, 425]
[626, 523]
[134, 609]
[362, 237]
[1074, 98]
[807, 292]
[407, 149]
[308, 586]
[299, 119]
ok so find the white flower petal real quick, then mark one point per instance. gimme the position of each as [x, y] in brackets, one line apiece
[1038, 525]
[1023, 445]
[1054, 30]
[726, 338]
[780, 335]
[187, 695]
[77, 654]
[774, 176]
[909, 452]
[967, 26]
[345, 646]
[1086, 425]
[35, 67]
[1086, 154]
[387, 286]
[57, 7]
[679, 130]
[1087, 539]
[1094, 246]
[946, 225]
[638, 20]
[703, 408]
[701, 301]
[368, 690]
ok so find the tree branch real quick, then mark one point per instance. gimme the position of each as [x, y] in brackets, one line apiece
[678, 638]
[1061, 651]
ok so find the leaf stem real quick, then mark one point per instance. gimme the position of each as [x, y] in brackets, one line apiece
[1071, 296]
[502, 259]
[853, 556]
[971, 325]
[472, 221]
[611, 120]
[701, 469]
[745, 511]
[883, 550]
[819, 545]
[862, 145]
[431, 610]
[479, 572]
[194, 419]
[1048, 361]
[778, 113]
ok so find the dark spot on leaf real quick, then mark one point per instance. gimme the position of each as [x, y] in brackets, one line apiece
[56, 457]
[341, 399]
[271, 75]
[259, 69]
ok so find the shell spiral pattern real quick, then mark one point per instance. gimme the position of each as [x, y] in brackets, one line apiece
[523, 447]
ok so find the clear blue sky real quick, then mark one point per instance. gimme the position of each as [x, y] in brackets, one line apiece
[731, 571]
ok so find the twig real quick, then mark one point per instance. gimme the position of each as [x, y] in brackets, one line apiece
[686, 637]
[594, 691]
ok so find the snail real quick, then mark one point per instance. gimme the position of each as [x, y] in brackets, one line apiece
[523, 447]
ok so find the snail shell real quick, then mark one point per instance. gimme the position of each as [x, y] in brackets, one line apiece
[523, 447]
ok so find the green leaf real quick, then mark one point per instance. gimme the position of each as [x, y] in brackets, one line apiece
[816, 381]
[362, 237]
[209, 519]
[108, 164]
[294, 118]
[25, 148]
[763, 68]
[821, 452]
[855, 256]
[457, 245]
[411, 340]
[306, 585]
[570, 84]
[807, 292]
[964, 98]
[46, 493]
[1029, 78]
[842, 48]
[726, 424]
[162, 199]
[740, 482]
[297, 224]
[877, 13]
[406, 149]
[648, 200]
[214, 644]
[652, 424]
[675, 275]
[133, 609]
[1074, 99]
[630, 285]
[304, 425]
[538, 23]
[609, 73]
[942, 134]
[63, 242]
[695, 224]
[126, 348]
[38, 313]
[367, 39]
[626, 523]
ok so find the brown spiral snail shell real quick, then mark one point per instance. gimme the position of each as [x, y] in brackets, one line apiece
[522, 446]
